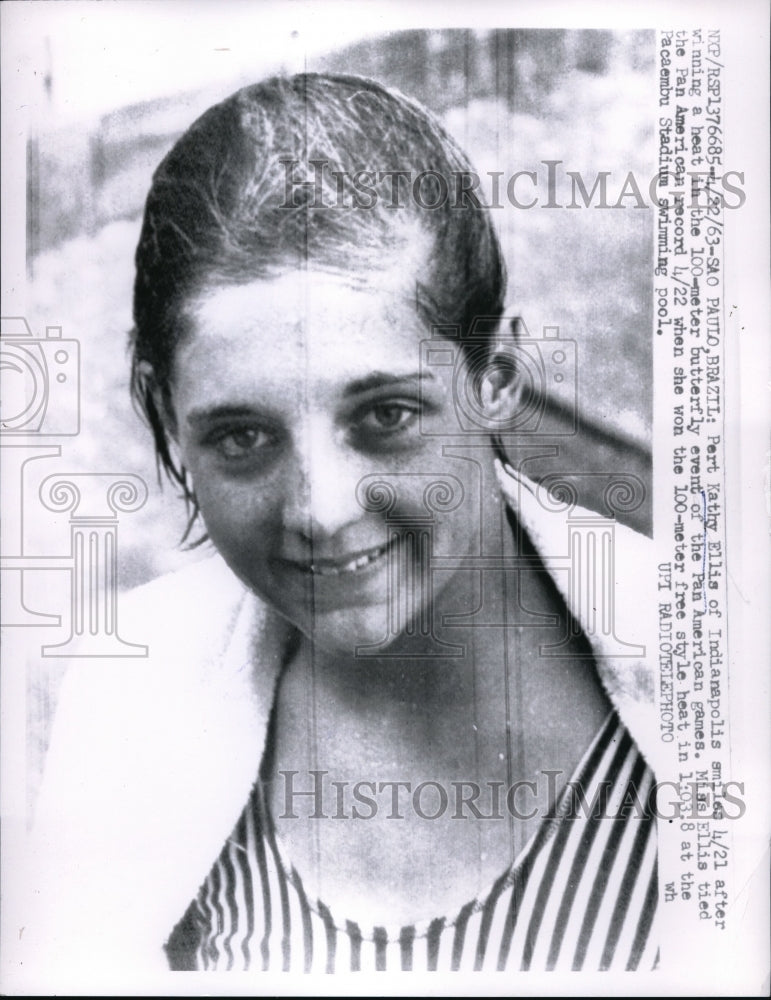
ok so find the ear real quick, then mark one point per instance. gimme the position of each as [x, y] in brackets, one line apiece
[500, 389]
[154, 393]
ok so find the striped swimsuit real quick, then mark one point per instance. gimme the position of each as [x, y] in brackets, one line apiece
[581, 895]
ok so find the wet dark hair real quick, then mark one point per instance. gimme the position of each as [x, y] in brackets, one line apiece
[295, 171]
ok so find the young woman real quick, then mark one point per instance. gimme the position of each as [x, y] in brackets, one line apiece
[371, 731]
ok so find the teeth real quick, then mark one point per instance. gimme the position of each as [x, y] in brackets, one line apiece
[352, 566]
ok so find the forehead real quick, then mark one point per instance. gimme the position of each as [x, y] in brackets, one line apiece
[304, 324]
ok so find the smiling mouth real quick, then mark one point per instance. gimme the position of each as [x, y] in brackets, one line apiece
[330, 567]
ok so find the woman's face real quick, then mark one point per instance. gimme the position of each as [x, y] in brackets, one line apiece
[290, 397]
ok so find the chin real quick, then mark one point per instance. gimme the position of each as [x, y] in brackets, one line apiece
[352, 634]
[357, 625]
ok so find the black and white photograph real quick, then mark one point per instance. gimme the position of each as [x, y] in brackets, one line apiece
[386, 497]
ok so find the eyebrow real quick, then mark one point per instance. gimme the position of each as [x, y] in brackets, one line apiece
[377, 380]
[202, 415]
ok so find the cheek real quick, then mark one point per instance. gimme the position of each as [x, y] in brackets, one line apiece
[238, 519]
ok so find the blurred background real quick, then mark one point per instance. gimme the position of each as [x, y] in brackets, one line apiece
[110, 103]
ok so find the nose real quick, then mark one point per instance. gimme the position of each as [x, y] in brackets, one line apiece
[320, 499]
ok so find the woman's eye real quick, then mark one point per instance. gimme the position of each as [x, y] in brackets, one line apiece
[241, 443]
[389, 417]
